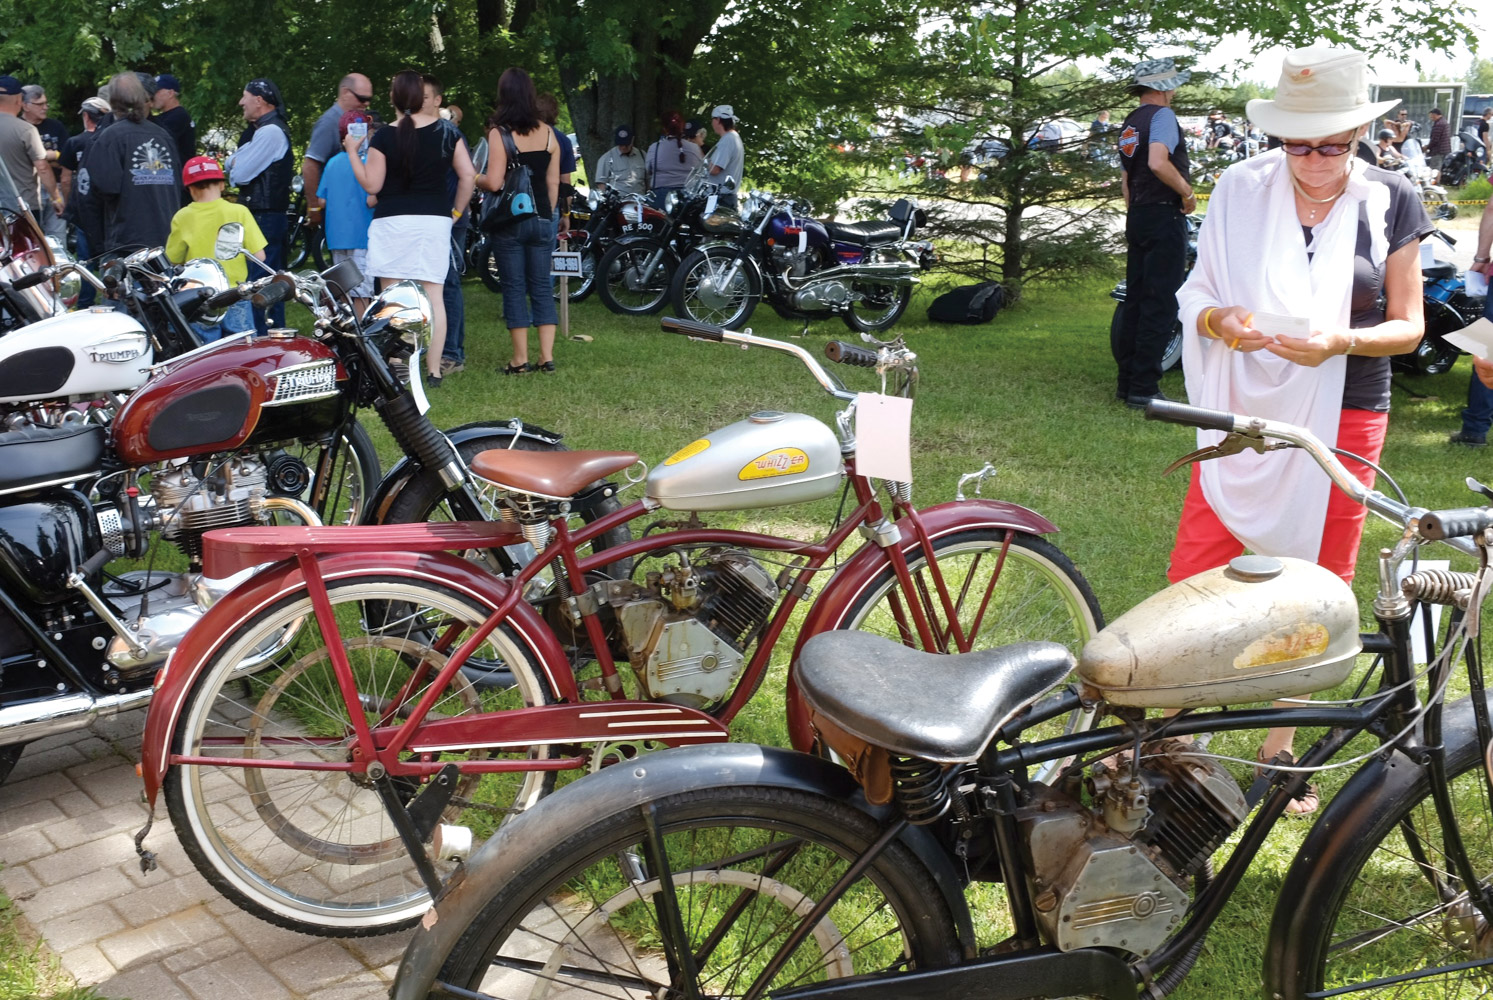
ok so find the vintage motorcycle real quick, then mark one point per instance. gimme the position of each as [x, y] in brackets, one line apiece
[1449, 307]
[863, 272]
[935, 865]
[292, 787]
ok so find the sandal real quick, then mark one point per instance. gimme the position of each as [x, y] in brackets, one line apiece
[517, 370]
[1303, 805]
[547, 367]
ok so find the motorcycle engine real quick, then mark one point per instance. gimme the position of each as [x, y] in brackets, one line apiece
[187, 507]
[830, 293]
[687, 629]
[1114, 873]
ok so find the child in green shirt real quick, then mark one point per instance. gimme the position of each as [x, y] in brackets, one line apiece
[194, 233]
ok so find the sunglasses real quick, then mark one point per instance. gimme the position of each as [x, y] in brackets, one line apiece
[1326, 149]
[361, 98]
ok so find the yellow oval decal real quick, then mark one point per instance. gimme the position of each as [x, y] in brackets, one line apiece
[778, 462]
[1293, 642]
[688, 451]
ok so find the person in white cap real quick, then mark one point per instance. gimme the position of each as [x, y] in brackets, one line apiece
[622, 167]
[728, 158]
[1158, 198]
[1305, 237]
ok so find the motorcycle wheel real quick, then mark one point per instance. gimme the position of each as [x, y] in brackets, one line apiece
[1392, 906]
[1170, 358]
[582, 289]
[884, 306]
[1446, 210]
[742, 863]
[1033, 592]
[704, 290]
[620, 281]
[485, 263]
[355, 474]
[314, 850]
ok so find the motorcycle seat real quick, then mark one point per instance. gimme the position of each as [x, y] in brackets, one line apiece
[864, 233]
[35, 456]
[926, 705]
[557, 475]
[1439, 270]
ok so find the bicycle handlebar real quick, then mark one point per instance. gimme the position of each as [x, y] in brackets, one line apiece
[849, 354]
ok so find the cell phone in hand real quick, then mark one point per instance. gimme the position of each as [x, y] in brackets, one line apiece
[358, 130]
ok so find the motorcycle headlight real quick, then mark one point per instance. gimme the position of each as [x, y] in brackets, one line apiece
[593, 200]
[297, 184]
[69, 285]
[671, 202]
[203, 272]
[408, 312]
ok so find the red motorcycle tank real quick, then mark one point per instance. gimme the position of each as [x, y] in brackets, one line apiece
[237, 395]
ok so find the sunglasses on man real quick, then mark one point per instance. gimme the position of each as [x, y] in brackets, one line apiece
[360, 98]
[1325, 149]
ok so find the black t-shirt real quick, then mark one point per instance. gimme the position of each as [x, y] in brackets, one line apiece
[53, 136]
[1366, 384]
[183, 131]
[132, 170]
[71, 159]
[421, 190]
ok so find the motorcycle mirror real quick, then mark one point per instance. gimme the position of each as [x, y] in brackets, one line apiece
[230, 241]
[728, 185]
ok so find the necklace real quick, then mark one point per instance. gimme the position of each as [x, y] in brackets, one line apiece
[1311, 213]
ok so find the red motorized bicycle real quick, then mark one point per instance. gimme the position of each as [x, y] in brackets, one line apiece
[423, 698]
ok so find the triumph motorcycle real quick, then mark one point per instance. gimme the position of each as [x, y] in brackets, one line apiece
[863, 272]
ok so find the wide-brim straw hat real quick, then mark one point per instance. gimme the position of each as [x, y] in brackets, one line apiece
[1322, 91]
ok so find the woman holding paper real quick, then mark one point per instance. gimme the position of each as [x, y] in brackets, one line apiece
[1307, 279]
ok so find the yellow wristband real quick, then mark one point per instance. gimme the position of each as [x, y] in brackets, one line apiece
[1208, 327]
[455, 214]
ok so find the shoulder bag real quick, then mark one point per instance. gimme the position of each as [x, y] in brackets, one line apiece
[515, 201]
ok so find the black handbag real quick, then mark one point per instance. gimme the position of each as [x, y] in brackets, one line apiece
[515, 202]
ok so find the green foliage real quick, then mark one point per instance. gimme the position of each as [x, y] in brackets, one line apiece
[1480, 76]
[1477, 189]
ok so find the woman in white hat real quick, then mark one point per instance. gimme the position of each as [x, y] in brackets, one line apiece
[1307, 280]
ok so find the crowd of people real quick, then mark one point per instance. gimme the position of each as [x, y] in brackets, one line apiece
[395, 199]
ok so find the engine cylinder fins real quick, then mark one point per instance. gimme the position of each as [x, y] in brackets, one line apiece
[919, 788]
[1438, 586]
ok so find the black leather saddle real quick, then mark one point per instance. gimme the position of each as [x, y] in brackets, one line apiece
[864, 233]
[1439, 270]
[33, 456]
[927, 705]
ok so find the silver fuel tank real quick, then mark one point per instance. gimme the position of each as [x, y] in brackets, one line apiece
[767, 460]
[1255, 630]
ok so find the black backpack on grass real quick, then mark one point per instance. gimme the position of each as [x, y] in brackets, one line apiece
[970, 304]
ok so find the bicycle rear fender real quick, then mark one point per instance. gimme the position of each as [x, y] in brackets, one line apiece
[186, 663]
[408, 468]
[862, 569]
[628, 786]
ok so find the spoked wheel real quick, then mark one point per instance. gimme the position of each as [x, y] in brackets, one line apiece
[1001, 593]
[307, 846]
[879, 308]
[485, 263]
[1396, 920]
[739, 868]
[717, 286]
[352, 474]
[1170, 358]
[582, 287]
[633, 277]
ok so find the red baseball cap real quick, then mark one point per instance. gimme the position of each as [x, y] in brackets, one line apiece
[201, 168]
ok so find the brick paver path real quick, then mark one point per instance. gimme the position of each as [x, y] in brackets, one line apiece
[68, 816]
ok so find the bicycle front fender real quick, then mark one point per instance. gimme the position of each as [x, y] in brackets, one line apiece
[185, 665]
[850, 581]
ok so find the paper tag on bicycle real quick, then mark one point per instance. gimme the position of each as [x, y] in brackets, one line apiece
[417, 383]
[883, 436]
[1279, 325]
[803, 240]
[1476, 339]
[710, 205]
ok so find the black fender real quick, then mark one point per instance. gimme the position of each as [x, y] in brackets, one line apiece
[408, 466]
[1317, 868]
[628, 786]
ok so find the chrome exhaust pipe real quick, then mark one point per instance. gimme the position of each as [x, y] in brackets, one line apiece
[881, 272]
[39, 719]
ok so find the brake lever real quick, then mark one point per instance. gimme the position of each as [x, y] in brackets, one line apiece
[1232, 444]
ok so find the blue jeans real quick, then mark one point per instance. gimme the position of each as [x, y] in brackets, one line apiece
[456, 314]
[238, 318]
[275, 226]
[523, 254]
[1478, 416]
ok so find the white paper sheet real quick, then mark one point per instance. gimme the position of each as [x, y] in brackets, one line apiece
[1417, 627]
[1280, 325]
[1427, 253]
[1476, 339]
[883, 436]
[1477, 283]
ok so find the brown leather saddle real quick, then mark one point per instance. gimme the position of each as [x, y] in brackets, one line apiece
[557, 475]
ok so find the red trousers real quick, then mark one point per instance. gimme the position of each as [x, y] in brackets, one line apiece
[1204, 543]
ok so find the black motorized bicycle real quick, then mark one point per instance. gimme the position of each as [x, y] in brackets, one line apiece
[863, 272]
[1172, 356]
[305, 241]
[934, 865]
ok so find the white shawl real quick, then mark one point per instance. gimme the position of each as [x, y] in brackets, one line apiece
[1251, 253]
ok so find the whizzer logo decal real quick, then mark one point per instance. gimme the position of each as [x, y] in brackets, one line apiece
[313, 381]
[778, 462]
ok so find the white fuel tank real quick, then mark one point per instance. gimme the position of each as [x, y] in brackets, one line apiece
[85, 353]
[1255, 630]
[767, 460]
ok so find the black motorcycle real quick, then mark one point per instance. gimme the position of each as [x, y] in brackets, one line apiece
[637, 270]
[1466, 163]
[1449, 307]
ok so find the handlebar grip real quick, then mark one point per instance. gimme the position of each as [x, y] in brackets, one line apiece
[34, 278]
[1190, 416]
[275, 291]
[849, 354]
[692, 328]
[95, 563]
[223, 299]
[1438, 525]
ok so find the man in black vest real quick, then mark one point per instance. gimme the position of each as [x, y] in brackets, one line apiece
[261, 169]
[1158, 198]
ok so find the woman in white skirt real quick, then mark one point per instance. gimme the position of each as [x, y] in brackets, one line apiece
[410, 238]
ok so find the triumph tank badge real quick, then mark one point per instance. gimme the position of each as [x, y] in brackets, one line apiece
[119, 349]
[303, 382]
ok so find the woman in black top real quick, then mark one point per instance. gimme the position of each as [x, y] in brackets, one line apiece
[523, 249]
[410, 237]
